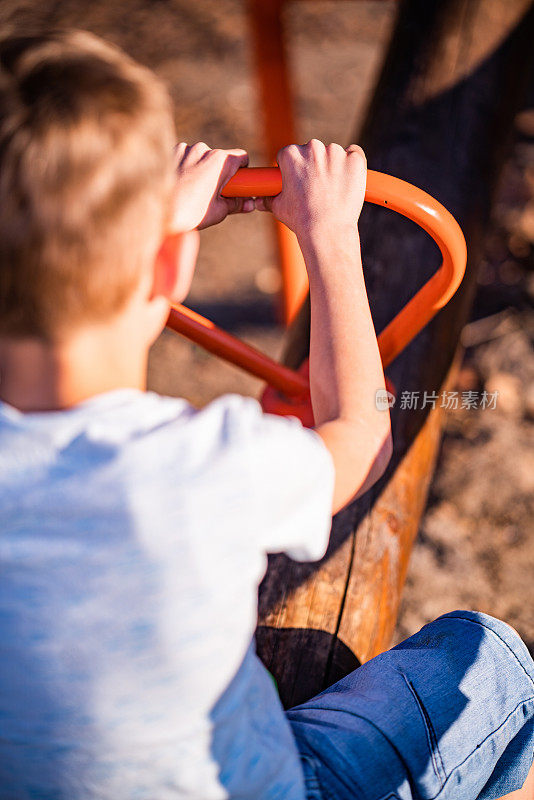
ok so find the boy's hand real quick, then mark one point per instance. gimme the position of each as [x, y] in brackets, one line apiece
[323, 187]
[200, 175]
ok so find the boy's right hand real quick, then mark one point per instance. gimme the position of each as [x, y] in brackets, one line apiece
[323, 188]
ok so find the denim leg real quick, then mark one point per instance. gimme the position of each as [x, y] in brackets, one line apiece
[512, 767]
[446, 714]
[515, 762]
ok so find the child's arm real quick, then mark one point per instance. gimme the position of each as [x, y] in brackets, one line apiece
[321, 201]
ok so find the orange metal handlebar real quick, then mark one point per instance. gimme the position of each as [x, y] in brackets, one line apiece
[383, 190]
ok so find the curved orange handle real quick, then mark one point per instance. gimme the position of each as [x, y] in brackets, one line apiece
[383, 190]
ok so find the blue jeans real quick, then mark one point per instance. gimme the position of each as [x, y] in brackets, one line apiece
[447, 714]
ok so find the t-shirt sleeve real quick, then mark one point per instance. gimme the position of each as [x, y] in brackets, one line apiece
[290, 476]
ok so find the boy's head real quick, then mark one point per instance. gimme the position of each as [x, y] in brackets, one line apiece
[86, 175]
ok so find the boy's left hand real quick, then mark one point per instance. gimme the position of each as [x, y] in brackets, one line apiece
[200, 175]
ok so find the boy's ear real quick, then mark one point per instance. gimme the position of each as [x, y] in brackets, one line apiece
[174, 266]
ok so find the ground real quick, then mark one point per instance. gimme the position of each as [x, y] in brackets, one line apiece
[476, 543]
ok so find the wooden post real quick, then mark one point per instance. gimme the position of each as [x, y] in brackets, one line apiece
[442, 109]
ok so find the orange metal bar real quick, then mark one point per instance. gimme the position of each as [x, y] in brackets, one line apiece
[383, 190]
[273, 74]
[276, 101]
[205, 333]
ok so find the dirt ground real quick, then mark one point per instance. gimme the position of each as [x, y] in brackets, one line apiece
[476, 544]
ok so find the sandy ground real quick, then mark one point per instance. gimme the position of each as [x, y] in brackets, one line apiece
[476, 545]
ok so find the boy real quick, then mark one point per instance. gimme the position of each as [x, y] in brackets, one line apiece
[134, 528]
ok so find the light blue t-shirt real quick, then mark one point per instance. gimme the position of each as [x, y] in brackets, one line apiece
[133, 536]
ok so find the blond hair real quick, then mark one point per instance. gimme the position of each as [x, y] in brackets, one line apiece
[86, 171]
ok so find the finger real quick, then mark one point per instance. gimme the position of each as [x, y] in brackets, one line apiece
[263, 203]
[239, 205]
[333, 147]
[237, 151]
[179, 149]
[179, 153]
[234, 160]
[195, 152]
[199, 147]
[316, 146]
[357, 150]
[236, 156]
[240, 158]
[289, 153]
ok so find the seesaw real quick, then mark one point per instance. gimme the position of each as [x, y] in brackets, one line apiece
[449, 73]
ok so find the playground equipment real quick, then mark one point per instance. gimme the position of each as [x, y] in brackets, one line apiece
[443, 105]
[291, 388]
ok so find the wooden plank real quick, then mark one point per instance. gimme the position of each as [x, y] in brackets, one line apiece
[384, 542]
[442, 109]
